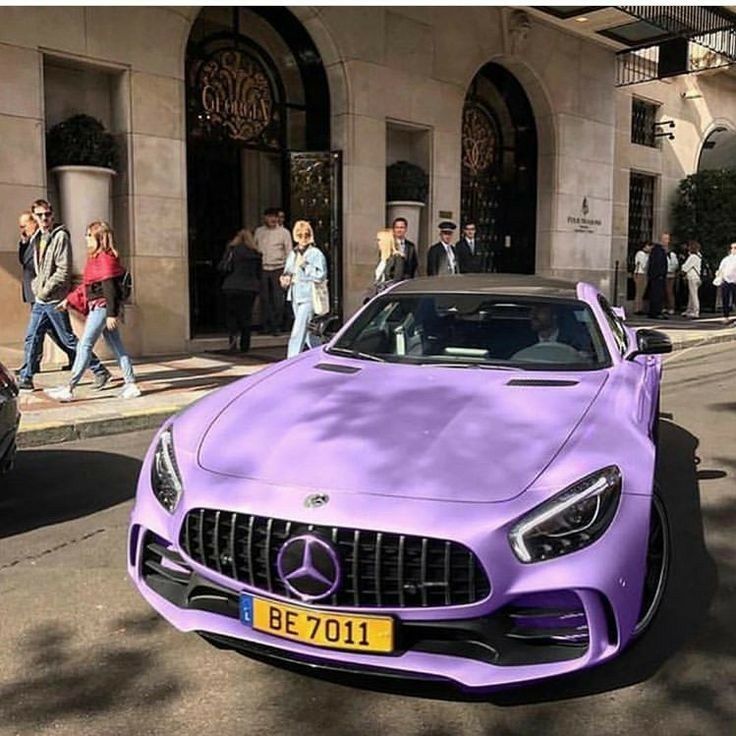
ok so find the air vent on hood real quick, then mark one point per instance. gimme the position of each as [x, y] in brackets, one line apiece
[540, 382]
[337, 368]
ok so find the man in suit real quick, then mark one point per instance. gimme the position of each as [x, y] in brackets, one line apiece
[407, 249]
[441, 258]
[471, 256]
[656, 280]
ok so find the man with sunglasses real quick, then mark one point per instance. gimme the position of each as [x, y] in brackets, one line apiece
[53, 261]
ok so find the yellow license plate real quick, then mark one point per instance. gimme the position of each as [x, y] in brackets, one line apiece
[320, 628]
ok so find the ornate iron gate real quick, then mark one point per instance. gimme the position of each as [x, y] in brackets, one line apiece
[479, 198]
[315, 194]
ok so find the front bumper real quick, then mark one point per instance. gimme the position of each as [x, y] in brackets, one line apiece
[473, 647]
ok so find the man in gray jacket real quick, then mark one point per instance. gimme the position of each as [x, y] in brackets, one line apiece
[53, 260]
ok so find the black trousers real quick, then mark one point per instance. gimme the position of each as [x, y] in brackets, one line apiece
[655, 294]
[273, 299]
[239, 306]
[728, 296]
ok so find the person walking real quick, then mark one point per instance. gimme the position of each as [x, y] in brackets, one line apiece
[99, 297]
[656, 277]
[28, 227]
[242, 266]
[305, 266]
[52, 260]
[441, 258]
[406, 248]
[274, 243]
[726, 278]
[691, 271]
[673, 266]
[641, 259]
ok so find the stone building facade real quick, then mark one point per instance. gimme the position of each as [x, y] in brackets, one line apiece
[396, 83]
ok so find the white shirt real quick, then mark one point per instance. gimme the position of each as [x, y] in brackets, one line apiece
[641, 259]
[692, 266]
[727, 269]
[471, 245]
[450, 251]
[672, 263]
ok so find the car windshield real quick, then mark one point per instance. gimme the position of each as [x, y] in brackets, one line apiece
[476, 330]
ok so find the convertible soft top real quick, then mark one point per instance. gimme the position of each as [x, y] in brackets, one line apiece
[489, 283]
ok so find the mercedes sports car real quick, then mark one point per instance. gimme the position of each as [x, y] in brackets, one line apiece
[457, 487]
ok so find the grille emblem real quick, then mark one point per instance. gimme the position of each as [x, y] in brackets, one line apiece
[309, 567]
[316, 500]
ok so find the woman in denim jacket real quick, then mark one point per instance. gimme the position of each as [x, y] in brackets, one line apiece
[305, 265]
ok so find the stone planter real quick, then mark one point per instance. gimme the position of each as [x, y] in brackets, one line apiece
[84, 196]
[410, 211]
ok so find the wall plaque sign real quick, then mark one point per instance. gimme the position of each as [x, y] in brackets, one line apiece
[231, 96]
[582, 222]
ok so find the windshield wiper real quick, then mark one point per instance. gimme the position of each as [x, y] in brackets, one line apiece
[356, 354]
[484, 366]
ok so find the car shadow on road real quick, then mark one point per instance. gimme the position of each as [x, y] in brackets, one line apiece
[52, 486]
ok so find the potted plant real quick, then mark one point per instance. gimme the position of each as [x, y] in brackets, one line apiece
[84, 157]
[406, 194]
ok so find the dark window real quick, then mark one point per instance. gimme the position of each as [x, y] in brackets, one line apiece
[643, 117]
[641, 211]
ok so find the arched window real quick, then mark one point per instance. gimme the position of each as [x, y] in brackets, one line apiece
[719, 150]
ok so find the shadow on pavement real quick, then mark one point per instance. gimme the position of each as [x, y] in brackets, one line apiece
[64, 677]
[52, 486]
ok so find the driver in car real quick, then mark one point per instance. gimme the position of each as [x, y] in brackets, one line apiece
[546, 323]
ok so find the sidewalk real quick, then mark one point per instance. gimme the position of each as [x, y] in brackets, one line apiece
[170, 384]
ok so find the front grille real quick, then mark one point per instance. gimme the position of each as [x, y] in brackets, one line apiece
[379, 569]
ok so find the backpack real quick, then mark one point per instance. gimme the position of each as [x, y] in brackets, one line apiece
[125, 286]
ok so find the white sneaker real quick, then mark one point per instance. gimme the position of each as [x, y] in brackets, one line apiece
[60, 393]
[130, 391]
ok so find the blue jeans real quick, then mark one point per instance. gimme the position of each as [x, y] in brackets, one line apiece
[48, 329]
[728, 296]
[43, 318]
[299, 336]
[93, 328]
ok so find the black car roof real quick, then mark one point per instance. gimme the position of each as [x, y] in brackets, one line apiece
[489, 283]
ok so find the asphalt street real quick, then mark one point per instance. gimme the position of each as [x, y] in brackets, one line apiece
[81, 652]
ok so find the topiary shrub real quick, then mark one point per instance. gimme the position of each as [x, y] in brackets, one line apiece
[81, 141]
[705, 210]
[406, 182]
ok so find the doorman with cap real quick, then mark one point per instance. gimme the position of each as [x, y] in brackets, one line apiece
[441, 257]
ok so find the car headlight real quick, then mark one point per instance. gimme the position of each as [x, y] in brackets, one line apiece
[571, 520]
[165, 479]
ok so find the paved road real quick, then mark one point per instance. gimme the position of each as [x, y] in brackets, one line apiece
[80, 652]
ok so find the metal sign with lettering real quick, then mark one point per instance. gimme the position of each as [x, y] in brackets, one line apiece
[231, 96]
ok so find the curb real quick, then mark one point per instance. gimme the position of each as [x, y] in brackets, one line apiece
[58, 432]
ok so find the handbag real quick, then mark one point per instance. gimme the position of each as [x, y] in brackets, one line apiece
[320, 297]
[717, 279]
[227, 262]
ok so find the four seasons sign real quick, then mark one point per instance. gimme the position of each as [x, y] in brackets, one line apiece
[231, 96]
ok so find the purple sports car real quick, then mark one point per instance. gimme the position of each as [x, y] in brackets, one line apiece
[458, 486]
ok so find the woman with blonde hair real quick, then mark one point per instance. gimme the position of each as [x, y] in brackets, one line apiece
[100, 297]
[305, 266]
[391, 263]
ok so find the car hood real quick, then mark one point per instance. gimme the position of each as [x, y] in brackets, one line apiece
[422, 432]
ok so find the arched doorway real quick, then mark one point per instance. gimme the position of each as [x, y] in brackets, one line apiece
[258, 136]
[718, 150]
[499, 168]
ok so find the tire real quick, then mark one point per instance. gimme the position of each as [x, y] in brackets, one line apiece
[658, 565]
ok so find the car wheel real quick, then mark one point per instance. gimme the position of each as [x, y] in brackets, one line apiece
[658, 562]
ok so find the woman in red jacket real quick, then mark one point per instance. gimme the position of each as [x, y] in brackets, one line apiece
[99, 297]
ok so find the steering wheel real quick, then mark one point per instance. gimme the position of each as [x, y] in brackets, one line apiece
[548, 352]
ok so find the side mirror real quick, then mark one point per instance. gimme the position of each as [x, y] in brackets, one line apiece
[324, 328]
[651, 342]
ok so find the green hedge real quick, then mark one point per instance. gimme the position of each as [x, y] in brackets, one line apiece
[705, 210]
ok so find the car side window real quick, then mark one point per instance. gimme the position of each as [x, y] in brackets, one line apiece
[617, 327]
